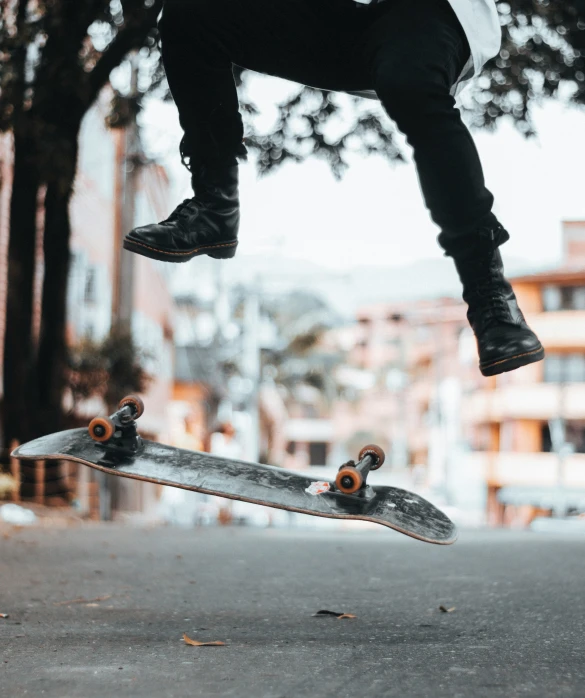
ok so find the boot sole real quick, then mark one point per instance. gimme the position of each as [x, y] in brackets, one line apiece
[512, 362]
[225, 250]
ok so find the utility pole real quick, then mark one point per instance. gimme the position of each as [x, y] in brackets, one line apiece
[558, 432]
[251, 366]
[221, 303]
[128, 154]
[441, 413]
[127, 166]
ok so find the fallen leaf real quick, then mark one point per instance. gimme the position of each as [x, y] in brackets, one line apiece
[444, 609]
[321, 614]
[81, 600]
[3, 615]
[196, 643]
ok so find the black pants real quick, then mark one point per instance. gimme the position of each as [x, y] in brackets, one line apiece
[409, 51]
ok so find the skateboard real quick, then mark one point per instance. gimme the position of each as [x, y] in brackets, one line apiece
[113, 445]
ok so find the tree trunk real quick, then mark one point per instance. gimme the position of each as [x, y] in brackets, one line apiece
[52, 355]
[19, 352]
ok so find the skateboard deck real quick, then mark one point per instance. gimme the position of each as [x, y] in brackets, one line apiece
[250, 482]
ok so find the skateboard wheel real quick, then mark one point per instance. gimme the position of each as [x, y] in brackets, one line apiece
[376, 452]
[101, 429]
[135, 402]
[348, 480]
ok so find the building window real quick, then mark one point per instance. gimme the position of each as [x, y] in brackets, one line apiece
[317, 453]
[551, 298]
[569, 368]
[291, 448]
[546, 443]
[553, 368]
[575, 368]
[395, 317]
[563, 298]
[579, 298]
[574, 435]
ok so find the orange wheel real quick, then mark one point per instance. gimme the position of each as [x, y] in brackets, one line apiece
[135, 402]
[101, 429]
[376, 452]
[349, 480]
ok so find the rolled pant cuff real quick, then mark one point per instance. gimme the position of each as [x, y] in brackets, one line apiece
[463, 241]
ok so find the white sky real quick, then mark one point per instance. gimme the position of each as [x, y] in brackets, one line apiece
[375, 215]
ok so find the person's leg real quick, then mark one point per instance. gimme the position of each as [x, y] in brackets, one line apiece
[413, 54]
[198, 67]
[300, 40]
[308, 41]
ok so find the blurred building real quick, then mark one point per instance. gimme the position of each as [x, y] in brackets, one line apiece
[99, 212]
[527, 427]
[405, 375]
[400, 386]
[102, 207]
[502, 449]
[197, 393]
[219, 339]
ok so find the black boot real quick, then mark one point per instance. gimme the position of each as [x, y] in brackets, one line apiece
[504, 340]
[206, 224]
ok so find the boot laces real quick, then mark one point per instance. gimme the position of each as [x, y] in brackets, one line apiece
[182, 211]
[493, 304]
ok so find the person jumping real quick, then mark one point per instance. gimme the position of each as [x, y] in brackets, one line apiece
[414, 56]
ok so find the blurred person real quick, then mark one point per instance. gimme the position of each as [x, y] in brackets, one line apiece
[414, 57]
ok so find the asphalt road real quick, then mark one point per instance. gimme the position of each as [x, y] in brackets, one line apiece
[101, 611]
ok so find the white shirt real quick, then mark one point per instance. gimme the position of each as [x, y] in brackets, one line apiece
[480, 22]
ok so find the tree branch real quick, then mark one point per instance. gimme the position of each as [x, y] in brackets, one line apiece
[15, 87]
[66, 28]
[131, 36]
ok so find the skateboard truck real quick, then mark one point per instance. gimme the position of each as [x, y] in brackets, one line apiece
[352, 476]
[117, 433]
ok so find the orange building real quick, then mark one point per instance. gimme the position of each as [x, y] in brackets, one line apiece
[528, 426]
